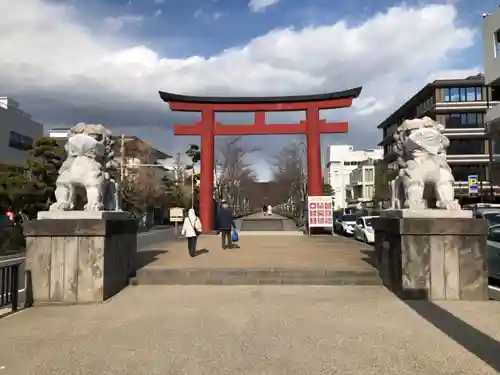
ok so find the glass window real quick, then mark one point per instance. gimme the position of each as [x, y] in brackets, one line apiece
[463, 94]
[369, 174]
[465, 147]
[454, 94]
[462, 172]
[496, 149]
[473, 120]
[447, 95]
[479, 93]
[464, 120]
[471, 94]
[496, 45]
[20, 142]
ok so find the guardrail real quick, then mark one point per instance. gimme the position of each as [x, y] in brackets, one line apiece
[10, 266]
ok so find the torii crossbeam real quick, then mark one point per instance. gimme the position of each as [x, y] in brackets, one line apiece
[208, 128]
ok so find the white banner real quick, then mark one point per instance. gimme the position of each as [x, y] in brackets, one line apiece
[320, 211]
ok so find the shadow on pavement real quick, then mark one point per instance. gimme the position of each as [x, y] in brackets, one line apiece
[145, 257]
[369, 257]
[201, 252]
[478, 343]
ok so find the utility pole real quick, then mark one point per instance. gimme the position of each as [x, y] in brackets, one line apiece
[122, 158]
[192, 187]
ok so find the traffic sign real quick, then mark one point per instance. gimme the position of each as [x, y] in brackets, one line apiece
[473, 182]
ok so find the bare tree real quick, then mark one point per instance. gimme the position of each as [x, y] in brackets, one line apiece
[142, 187]
[233, 172]
[178, 183]
[290, 174]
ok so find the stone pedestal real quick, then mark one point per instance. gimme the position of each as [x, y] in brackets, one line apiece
[79, 257]
[432, 254]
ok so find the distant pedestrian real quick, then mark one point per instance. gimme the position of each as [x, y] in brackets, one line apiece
[191, 229]
[269, 210]
[225, 224]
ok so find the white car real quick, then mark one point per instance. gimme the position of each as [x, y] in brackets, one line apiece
[363, 230]
[347, 224]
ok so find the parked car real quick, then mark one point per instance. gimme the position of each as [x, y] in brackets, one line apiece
[347, 223]
[493, 216]
[493, 242]
[363, 230]
[337, 216]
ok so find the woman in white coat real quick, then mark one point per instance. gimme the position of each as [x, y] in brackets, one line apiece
[191, 229]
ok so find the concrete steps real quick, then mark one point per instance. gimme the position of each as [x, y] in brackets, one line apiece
[262, 225]
[260, 276]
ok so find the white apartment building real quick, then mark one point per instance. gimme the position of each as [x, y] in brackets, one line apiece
[362, 183]
[341, 161]
[18, 133]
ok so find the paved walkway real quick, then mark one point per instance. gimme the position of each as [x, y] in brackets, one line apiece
[260, 221]
[264, 251]
[275, 330]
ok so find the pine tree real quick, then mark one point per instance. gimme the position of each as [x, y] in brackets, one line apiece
[43, 166]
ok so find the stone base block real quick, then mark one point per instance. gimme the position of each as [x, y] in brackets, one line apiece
[438, 258]
[427, 214]
[79, 260]
[104, 215]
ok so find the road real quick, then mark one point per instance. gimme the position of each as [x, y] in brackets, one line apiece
[144, 240]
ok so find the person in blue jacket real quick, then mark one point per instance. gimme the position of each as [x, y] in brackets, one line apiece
[225, 224]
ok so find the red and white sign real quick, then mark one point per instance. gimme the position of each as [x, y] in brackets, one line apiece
[320, 211]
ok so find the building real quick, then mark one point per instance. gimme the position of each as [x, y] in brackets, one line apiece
[491, 48]
[361, 186]
[460, 105]
[18, 132]
[133, 147]
[341, 161]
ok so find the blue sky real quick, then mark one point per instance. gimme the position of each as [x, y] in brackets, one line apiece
[104, 60]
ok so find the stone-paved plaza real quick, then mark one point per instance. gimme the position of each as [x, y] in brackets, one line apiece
[253, 330]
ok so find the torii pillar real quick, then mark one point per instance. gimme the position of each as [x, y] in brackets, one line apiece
[208, 128]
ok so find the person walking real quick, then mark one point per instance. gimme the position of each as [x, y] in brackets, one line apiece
[225, 224]
[191, 229]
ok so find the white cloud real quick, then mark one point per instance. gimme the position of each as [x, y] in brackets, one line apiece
[158, 12]
[64, 72]
[115, 24]
[261, 5]
[198, 13]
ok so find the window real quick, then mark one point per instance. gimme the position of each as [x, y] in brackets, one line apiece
[463, 94]
[425, 106]
[466, 147]
[495, 94]
[20, 142]
[496, 43]
[369, 190]
[369, 175]
[462, 172]
[464, 120]
[496, 149]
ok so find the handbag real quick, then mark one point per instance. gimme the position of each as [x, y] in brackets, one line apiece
[196, 231]
[234, 236]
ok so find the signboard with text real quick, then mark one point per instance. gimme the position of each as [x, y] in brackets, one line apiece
[473, 183]
[320, 211]
[176, 214]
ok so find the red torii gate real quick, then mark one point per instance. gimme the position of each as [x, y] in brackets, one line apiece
[208, 128]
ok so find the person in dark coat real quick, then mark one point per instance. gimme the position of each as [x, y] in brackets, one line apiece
[225, 224]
